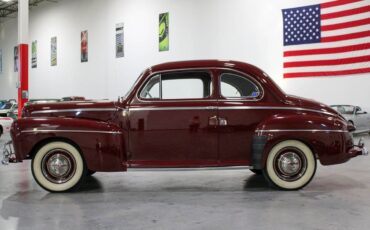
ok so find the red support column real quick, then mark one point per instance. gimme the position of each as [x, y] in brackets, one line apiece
[23, 76]
[23, 18]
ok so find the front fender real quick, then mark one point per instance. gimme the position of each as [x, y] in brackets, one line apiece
[100, 143]
[327, 136]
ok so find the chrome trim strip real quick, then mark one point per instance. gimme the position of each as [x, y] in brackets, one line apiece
[72, 110]
[301, 130]
[174, 108]
[275, 108]
[70, 131]
[190, 169]
[228, 108]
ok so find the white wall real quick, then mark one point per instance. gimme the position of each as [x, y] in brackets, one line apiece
[249, 31]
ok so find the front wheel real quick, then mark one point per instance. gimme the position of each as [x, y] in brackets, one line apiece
[58, 167]
[290, 165]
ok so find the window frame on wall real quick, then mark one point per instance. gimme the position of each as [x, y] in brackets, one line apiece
[208, 91]
[245, 77]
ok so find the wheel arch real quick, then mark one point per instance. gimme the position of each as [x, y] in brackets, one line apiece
[48, 140]
[260, 162]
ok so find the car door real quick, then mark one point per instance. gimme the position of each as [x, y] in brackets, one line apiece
[172, 121]
[238, 95]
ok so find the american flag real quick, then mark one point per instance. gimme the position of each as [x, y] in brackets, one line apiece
[328, 39]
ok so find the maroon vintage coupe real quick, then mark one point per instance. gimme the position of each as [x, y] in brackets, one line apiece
[184, 114]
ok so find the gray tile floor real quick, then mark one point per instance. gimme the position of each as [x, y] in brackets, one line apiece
[337, 198]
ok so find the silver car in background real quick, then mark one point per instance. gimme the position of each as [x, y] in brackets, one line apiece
[356, 116]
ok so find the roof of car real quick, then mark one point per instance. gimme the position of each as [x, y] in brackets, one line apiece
[230, 64]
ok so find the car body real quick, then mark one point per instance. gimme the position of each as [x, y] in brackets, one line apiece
[187, 114]
[38, 101]
[5, 124]
[7, 107]
[356, 116]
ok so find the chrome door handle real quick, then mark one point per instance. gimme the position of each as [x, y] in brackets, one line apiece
[222, 121]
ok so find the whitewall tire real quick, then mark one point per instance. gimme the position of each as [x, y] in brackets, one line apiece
[290, 165]
[58, 167]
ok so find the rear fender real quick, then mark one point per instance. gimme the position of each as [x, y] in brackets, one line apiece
[322, 134]
[100, 143]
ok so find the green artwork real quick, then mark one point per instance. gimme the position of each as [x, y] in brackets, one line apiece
[164, 40]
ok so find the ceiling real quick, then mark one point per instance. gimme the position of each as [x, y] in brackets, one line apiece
[8, 9]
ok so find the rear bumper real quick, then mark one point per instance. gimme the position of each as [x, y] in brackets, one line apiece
[358, 150]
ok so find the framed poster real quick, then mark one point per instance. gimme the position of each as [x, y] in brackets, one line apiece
[34, 54]
[164, 42]
[119, 40]
[16, 58]
[53, 53]
[1, 61]
[84, 46]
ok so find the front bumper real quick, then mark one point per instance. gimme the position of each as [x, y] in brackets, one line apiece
[8, 154]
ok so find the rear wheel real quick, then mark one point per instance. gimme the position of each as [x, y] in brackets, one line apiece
[290, 165]
[58, 167]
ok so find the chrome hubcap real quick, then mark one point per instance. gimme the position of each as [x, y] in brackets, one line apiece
[58, 166]
[290, 164]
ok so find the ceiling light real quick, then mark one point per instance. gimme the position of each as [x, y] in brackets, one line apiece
[7, 0]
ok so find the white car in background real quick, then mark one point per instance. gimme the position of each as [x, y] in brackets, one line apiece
[6, 107]
[5, 123]
[356, 116]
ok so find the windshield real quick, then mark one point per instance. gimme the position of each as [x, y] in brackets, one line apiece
[133, 86]
[344, 109]
[6, 106]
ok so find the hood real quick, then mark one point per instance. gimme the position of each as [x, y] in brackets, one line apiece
[96, 110]
[309, 104]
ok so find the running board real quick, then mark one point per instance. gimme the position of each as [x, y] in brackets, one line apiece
[189, 169]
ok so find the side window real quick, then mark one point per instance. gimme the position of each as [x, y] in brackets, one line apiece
[235, 86]
[178, 85]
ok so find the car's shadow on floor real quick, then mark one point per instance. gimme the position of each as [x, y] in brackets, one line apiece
[251, 183]
[91, 184]
[256, 183]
